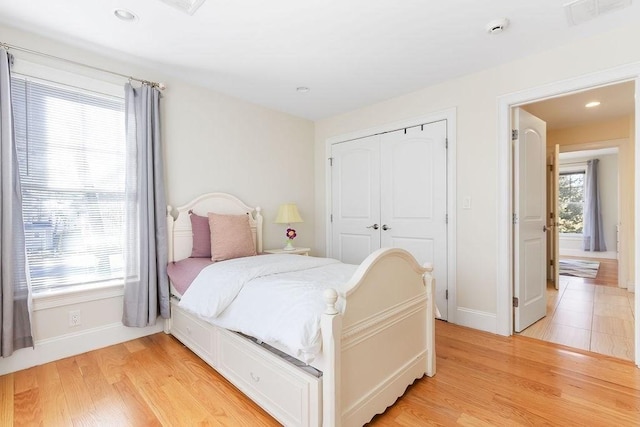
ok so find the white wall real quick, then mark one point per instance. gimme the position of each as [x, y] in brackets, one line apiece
[212, 142]
[608, 182]
[475, 98]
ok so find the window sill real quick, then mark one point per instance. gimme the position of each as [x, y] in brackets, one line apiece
[571, 236]
[77, 294]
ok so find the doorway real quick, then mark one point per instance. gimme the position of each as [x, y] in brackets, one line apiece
[585, 308]
[561, 89]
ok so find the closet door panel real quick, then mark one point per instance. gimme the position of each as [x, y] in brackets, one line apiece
[355, 192]
[413, 202]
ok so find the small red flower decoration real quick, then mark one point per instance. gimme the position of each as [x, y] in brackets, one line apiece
[291, 233]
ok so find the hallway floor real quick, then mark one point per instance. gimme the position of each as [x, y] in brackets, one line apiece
[590, 314]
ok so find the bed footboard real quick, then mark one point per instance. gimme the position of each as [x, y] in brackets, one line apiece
[383, 342]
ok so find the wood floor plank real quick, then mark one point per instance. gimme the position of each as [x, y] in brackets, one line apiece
[95, 382]
[54, 405]
[482, 380]
[75, 390]
[7, 403]
[112, 361]
[25, 380]
[136, 409]
[28, 407]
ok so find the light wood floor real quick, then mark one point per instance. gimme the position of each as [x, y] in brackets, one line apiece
[590, 314]
[482, 380]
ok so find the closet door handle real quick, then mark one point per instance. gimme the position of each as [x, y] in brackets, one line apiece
[385, 227]
[374, 226]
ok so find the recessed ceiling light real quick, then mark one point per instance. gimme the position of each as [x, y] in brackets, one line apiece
[497, 26]
[592, 104]
[303, 89]
[125, 15]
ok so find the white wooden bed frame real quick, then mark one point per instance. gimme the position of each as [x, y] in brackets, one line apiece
[371, 353]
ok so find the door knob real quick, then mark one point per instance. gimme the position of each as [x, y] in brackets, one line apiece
[385, 227]
[374, 226]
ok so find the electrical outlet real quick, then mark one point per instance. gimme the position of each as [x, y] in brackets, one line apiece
[74, 318]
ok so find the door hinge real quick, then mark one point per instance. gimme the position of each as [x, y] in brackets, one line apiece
[551, 215]
[515, 301]
[446, 143]
[330, 161]
[514, 134]
[551, 262]
[515, 218]
[331, 218]
[551, 168]
[446, 294]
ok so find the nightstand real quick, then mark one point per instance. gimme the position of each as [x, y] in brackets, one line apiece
[296, 251]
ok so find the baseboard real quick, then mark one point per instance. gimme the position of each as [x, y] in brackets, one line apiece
[588, 254]
[476, 319]
[52, 349]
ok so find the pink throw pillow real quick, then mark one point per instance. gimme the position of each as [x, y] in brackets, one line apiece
[201, 236]
[230, 237]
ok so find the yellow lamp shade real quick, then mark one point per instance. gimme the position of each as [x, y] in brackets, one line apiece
[288, 214]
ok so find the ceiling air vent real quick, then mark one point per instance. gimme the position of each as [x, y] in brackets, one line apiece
[187, 6]
[580, 11]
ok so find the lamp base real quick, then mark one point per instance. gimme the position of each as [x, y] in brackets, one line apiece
[289, 246]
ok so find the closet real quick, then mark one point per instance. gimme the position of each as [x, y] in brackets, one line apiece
[390, 190]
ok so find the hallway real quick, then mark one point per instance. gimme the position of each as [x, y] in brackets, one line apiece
[590, 314]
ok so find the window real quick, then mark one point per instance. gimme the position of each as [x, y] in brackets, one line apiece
[71, 151]
[571, 201]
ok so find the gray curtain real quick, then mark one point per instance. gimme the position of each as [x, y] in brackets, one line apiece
[593, 229]
[15, 292]
[146, 291]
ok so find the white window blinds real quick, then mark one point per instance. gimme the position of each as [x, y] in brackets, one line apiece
[71, 148]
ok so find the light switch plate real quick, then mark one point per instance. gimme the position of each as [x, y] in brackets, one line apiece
[466, 203]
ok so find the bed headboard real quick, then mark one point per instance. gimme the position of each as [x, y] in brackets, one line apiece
[180, 239]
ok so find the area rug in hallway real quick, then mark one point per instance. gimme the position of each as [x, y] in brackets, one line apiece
[579, 268]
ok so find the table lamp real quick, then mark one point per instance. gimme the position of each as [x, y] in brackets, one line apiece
[288, 214]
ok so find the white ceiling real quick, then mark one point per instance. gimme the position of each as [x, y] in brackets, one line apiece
[351, 53]
[616, 100]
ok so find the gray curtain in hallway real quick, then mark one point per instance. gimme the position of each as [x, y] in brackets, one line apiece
[593, 229]
[15, 294]
[146, 284]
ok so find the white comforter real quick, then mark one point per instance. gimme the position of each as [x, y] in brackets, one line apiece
[275, 298]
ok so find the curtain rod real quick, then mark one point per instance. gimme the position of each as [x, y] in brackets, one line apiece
[583, 163]
[8, 46]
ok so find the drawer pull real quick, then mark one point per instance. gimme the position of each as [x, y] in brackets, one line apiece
[254, 377]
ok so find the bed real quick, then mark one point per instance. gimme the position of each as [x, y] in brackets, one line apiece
[376, 343]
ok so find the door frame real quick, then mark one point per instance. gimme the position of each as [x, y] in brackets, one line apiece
[631, 72]
[450, 116]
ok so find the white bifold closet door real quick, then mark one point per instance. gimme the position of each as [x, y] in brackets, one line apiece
[390, 190]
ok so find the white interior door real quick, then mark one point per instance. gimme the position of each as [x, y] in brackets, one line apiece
[555, 231]
[553, 236]
[355, 194]
[414, 197]
[530, 220]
